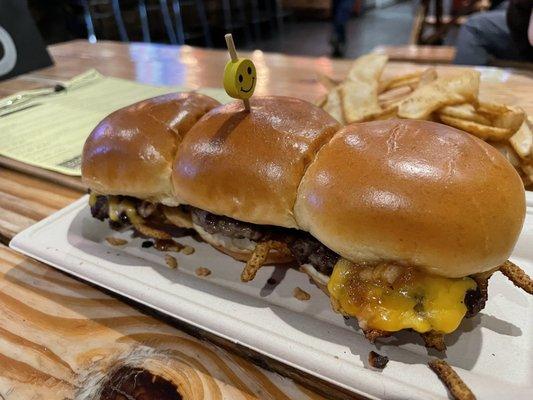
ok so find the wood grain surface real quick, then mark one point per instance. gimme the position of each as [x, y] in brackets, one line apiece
[57, 333]
[59, 336]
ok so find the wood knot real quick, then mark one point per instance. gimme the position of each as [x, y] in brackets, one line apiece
[139, 373]
[138, 384]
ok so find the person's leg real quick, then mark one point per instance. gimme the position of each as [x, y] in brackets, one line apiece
[334, 21]
[483, 37]
[341, 11]
[342, 15]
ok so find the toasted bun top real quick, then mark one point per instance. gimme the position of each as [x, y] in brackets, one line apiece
[248, 165]
[131, 151]
[413, 192]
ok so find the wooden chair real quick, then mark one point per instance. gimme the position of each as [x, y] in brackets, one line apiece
[163, 7]
[185, 34]
[439, 22]
[418, 54]
[173, 22]
[92, 10]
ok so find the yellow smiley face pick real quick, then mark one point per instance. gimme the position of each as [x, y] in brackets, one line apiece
[239, 78]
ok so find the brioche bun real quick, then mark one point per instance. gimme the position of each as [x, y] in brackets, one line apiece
[248, 165]
[416, 193]
[131, 151]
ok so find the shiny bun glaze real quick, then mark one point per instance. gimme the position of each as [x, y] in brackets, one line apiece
[413, 192]
[248, 165]
[131, 151]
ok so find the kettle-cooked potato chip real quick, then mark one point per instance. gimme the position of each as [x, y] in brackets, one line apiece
[393, 97]
[429, 75]
[464, 111]
[333, 105]
[359, 100]
[522, 141]
[462, 88]
[508, 152]
[327, 81]
[399, 81]
[368, 68]
[484, 132]
[503, 116]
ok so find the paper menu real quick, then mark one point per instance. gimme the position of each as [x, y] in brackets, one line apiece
[51, 131]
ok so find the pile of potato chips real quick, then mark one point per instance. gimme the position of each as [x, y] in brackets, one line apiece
[451, 100]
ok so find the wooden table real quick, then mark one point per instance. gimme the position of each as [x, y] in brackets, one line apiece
[55, 329]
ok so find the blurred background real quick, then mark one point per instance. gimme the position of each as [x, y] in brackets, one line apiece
[338, 28]
[307, 27]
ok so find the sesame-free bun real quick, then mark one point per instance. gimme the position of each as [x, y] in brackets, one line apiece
[131, 151]
[416, 193]
[248, 165]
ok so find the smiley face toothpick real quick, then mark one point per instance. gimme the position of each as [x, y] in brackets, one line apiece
[239, 75]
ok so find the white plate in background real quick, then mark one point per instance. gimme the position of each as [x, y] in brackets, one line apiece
[492, 352]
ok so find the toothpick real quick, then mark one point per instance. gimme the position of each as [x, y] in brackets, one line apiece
[231, 46]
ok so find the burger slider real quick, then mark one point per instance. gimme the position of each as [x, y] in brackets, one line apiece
[127, 162]
[420, 215]
[240, 172]
[401, 222]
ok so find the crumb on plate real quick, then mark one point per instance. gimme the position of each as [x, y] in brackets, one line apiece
[377, 360]
[113, 241]
[171, 261]
[203, 271]
[301, 294]
[187, 250]
[168, 245]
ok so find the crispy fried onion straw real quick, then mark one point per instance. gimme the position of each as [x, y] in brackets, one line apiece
[373, 334]
[151, 232]
[435, 340]
[453, 382]
[517, 276]
[259, 256]
[432, 339]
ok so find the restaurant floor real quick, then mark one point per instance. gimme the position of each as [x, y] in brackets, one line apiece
[385, 26]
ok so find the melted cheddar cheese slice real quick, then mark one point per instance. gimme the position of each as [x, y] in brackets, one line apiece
[390, 297]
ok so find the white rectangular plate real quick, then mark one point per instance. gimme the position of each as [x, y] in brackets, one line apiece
[492, 351]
